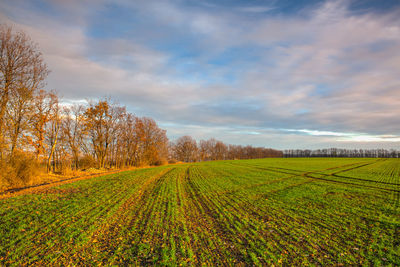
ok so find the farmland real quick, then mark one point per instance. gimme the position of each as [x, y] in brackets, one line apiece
[267, 211]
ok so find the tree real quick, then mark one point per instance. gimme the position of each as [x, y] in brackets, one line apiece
[53, 129]
[207, 149]
[96, 124]
[19, 114]
[129, 140]
[42, 108]
[152, 142]
[186, 149]
[21, 68]
[204, 150]
[72, 130]
[102, 122]
[220, 151]
[118, 115]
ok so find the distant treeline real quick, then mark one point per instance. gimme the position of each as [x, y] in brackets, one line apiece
[186, 149]
[342, 153]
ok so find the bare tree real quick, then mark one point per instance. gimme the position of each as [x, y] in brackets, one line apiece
[204, 150]
[19, 114]
[21, 66]
[42, 108]
[213, 149]
[53, 129]
[220, 150]
[72, 130]
[186, 149]
[129, 140]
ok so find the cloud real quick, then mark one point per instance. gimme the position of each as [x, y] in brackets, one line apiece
[350, 137]
[229, 71]
[256, 9]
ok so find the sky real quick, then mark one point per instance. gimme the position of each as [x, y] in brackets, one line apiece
[281, 74]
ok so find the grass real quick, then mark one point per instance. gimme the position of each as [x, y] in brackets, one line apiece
[269, 211]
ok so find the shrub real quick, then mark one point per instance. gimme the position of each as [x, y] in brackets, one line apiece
[87, 162]
[4, 177]
[172, 161]
[21, 170]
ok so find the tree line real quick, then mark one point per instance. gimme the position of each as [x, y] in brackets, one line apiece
[186, 149]
[38, 129]
[342, 153]
[36, 122]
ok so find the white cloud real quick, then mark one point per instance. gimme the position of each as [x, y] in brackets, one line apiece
[256, 9]
[327, 70]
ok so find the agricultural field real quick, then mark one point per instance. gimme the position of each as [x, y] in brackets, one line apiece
[262, 212]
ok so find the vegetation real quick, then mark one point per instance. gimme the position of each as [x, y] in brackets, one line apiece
[267, 211]
[342, 153]
[186, 149]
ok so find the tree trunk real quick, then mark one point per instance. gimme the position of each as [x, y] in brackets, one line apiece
[52, 149]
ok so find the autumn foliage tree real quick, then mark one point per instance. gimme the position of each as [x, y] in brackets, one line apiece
[153, 142]
[97, 123]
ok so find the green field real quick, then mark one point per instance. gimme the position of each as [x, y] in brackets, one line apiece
[270, 211]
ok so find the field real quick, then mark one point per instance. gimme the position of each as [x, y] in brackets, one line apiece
[269, 211]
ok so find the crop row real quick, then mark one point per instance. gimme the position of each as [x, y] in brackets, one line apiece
[256, 212]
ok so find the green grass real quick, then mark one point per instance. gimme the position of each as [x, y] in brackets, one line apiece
[262, 212]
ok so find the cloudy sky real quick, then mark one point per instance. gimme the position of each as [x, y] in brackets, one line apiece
[282, 74]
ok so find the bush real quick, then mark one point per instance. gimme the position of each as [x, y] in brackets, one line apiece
[4, 177]
[87, 162]
[20, 171]
[66, 169]
[172, 161]
[160, 162]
